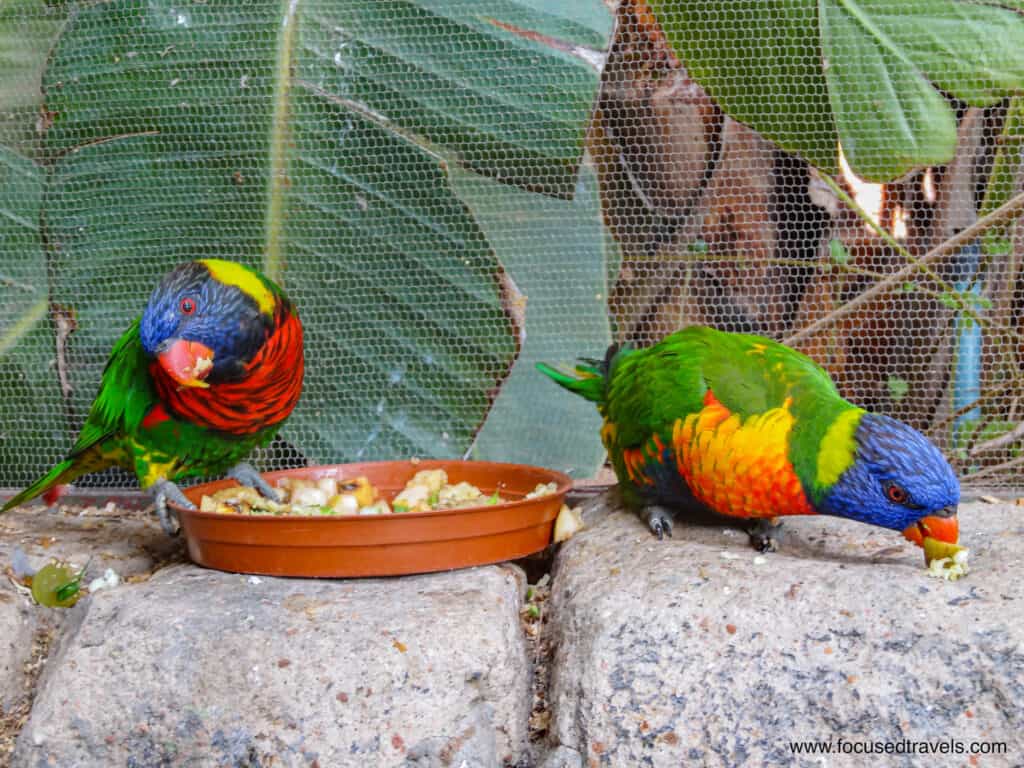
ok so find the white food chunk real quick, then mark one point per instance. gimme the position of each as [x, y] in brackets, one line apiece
[950, 568]
[308, 496]
[433, 479]
[568, 522]
[377, 508]
[542, 489]
[450, 495]
[344, 504]
[329, 485]
[413, 497]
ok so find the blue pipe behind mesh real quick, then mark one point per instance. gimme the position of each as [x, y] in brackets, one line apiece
[967, 377]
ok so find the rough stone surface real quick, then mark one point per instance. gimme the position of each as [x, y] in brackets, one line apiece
[688, 652]
[562, 757]
[199, 668]
[17, 627]
[132, 543]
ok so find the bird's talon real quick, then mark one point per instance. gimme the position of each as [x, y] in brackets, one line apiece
[164, 491]
[765, 535]
[659, 520]
[246, 474]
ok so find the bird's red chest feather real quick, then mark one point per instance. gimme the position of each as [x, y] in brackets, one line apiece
[263, 398]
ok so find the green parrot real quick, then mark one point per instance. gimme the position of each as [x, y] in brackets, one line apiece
[749, 429]
[210, 371]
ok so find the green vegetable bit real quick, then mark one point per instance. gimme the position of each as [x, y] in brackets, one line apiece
[56, 585]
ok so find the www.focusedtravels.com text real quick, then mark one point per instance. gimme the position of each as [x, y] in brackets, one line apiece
[902, 747]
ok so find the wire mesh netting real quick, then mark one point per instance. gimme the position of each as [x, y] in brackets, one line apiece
[453, 191]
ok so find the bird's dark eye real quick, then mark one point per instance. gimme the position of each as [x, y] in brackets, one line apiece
[895, 493]
[187, 306]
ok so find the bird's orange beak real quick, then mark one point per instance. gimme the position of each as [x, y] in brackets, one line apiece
[187, 362]
[945, 529]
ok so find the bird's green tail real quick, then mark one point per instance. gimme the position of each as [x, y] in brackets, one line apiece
[587, 382]
[63, 472]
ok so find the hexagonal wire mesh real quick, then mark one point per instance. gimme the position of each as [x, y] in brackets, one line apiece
[451, 191]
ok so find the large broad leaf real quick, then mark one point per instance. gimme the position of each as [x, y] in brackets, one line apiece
[810, 74]
[30, 409]
[545, 246]
[456, 72]
[251, 131]
[27, 29]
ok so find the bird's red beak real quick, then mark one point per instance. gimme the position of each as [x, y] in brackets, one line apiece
[945, 529]
[187, 362]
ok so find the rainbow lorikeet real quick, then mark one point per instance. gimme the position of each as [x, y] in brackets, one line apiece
[210, 370]
[749, 429]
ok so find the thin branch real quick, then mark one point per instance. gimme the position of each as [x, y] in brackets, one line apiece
[1008, 210]
[998, 442]
[995, 468]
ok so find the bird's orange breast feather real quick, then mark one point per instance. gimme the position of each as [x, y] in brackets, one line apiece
[739, 467]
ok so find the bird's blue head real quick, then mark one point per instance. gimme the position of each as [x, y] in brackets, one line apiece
[898, 480]
[206, 320]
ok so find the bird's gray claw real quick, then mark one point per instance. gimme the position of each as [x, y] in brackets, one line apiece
[765, 535]
[246, 474]
[164, 491]
[659, 520]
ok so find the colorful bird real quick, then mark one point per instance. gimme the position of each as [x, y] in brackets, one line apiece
[749, 429]
[210, 371]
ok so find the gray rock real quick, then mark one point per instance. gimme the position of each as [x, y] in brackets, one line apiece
[199, 668]
[132, 543]
[17, 628]
[686, 651]
[562, 757]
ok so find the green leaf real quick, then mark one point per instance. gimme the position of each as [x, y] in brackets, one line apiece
[27, 30]
[971, 50]
[997, 240]
[761, 61]
[470, 75]
[950, 300]
[837, 252]
[809, 74]
[898, 387]
[315, 140]
[544, 246]
[890, 118]
[30, 410]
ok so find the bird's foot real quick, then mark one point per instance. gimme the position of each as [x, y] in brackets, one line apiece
[659, 520]
[246, 474]
[164, 491]
[765, 534]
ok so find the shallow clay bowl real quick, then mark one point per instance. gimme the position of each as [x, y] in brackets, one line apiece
[381, 545]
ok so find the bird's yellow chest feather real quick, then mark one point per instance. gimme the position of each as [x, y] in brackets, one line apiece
[739, 467]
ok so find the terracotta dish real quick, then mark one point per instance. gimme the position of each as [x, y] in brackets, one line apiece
[381, 545]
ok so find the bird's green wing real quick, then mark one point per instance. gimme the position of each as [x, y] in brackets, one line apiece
[126, 393]
[649, 389]
[752, 374]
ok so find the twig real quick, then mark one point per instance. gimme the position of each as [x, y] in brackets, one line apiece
[1008, 210]
[998, 442]
[996, 468]
[976, 403]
